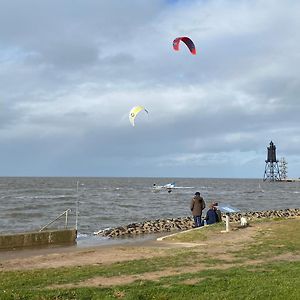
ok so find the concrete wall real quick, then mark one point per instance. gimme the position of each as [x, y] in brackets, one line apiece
[31, 239]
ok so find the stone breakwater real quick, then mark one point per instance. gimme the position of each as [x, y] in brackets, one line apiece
[167, 225]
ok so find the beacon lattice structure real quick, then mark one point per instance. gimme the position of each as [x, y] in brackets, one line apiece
[272, 172]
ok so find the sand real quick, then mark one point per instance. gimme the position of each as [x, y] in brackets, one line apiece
[217, 246]
[74, 256]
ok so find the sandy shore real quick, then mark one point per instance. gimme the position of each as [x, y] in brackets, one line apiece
[73, 255]
[106, 254]
[218, 246]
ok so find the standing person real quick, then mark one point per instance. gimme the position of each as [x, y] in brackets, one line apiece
[197, 206]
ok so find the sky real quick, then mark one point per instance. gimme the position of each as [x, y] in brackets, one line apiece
[70, 71]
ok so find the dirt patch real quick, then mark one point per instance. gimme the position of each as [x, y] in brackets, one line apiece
[192, 281]
[120, 280]
[285, 257]
[96, 256]
[153, 276]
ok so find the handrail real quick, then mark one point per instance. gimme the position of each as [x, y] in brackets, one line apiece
[66, 222]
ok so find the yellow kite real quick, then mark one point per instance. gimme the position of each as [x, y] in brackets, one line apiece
[133, 113]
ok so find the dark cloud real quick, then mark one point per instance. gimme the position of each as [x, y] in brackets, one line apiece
[71, 70]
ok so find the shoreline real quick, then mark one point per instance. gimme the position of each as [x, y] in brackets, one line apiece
[58, 257]
[185, 223]
[140, 233]
[122, 242]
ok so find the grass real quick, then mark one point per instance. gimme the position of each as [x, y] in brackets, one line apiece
[44, 277]
[282, 236]
[274, 281]
[196, 235]
[271, 280]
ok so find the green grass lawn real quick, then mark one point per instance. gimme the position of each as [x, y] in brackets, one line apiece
[275, 279]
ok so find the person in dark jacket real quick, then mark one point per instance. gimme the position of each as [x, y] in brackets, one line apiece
[218, 212]
[197, 205]
[211, 215]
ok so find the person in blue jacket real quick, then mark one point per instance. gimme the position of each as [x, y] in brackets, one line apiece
[211, 215]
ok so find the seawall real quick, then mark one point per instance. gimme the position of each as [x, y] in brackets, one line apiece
[167, 225]
[39, 238]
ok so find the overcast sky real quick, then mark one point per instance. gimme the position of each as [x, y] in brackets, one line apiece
[70, 71]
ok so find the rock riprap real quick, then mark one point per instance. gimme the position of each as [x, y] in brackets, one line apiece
[184, 223]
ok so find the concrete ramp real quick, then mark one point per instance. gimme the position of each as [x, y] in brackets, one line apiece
[39, 238]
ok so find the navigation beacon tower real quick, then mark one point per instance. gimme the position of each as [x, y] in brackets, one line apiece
[272, 172]
[283, 168]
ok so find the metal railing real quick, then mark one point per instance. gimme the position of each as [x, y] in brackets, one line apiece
[66, 220]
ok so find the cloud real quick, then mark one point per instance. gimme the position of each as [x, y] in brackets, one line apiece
[71, 71]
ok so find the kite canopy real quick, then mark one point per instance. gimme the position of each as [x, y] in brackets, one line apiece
[187, 41]
[133, 113]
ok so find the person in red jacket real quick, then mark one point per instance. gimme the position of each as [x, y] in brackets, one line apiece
[197, 205]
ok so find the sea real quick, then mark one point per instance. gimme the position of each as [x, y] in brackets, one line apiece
[93, 204]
